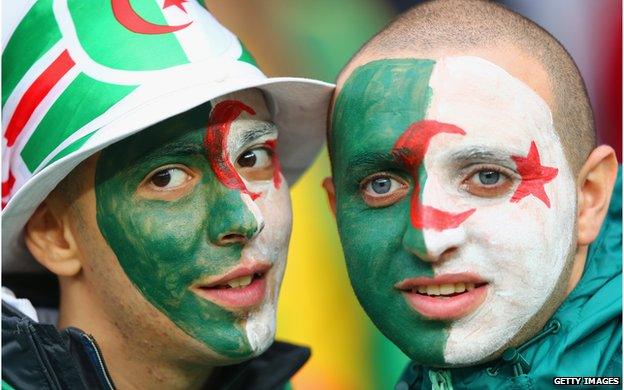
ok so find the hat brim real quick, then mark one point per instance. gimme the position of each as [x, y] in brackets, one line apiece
[299, 109]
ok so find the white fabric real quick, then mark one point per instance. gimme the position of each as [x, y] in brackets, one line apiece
[21, 304]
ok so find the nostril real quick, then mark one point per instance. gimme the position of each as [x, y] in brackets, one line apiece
[231, 238]
[451, 252]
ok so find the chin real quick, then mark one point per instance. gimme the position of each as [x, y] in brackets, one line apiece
[260, 327]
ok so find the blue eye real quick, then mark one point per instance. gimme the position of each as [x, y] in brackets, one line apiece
[489, 177]
[383, 190]
[381, 185]
[485, 182]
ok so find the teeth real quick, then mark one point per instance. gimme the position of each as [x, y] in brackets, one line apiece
[240, 282]
[447, 289]
[433, 290]
[444, 289]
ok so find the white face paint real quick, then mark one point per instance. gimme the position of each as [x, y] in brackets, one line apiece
[271, 208]
[518, 247]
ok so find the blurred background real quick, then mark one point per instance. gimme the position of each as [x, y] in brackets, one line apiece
[315, 38]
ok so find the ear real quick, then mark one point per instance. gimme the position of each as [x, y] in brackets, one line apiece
[594, 187]
[328, 184]
[50, 240]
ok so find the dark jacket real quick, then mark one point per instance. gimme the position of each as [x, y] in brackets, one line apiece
[39, 356]
[583, 338]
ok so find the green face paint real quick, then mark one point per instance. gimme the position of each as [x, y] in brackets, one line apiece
[440, 216]
[165, 246]
[378, 102]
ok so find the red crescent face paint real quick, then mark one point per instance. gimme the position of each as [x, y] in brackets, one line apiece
[410, 149]
[215, 142]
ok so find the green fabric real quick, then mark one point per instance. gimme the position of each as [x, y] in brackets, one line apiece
[122, 48]
[34, 36]
[440, 380]
[88, 99]
[6, 386]
[589, 342]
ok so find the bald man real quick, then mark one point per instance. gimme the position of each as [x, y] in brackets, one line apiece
[471, 200]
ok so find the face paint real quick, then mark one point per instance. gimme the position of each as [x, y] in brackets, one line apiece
[453, 135]
[217, 132]
[277, 175]
[410, 149]
[533, 175]
[189, 237]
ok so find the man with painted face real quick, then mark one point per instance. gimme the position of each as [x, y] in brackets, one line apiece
[141, 170]
[463, 134]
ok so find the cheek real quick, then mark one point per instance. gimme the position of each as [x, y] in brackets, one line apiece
[372, 239]
[276, 211]
[520, 241]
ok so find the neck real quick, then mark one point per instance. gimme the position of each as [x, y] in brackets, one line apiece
[578, 266]
[134, 360]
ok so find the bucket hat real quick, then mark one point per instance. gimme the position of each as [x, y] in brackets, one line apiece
[80, 75]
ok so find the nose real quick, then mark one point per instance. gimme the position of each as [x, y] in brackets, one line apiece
[234, 219]
[433, 246]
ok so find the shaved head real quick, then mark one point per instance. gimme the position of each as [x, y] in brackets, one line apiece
[462, 142]
[484, 29]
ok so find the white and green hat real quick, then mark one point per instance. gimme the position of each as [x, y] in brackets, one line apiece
[80, 75]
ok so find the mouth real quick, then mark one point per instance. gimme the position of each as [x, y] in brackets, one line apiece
[445, 297]
[241, 288]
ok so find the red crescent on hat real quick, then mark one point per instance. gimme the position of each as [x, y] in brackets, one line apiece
[127, 17]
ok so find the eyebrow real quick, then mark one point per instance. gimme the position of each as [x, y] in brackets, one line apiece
[370, 160]
[173, 149]
[482, 154]
[262, 129]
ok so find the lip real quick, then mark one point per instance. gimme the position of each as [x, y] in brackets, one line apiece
[444, 307]
[215, 290]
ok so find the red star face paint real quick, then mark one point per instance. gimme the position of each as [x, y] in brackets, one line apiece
[454, 199]
[533, 176]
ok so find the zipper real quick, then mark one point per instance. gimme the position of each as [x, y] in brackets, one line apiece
[100, 361]
[43, 359]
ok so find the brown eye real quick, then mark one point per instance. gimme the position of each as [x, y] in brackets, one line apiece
[255, 158]
[161, 179]
[256, 164]
[168, 183]
[383, 190]
[169, 178]
[247, 159]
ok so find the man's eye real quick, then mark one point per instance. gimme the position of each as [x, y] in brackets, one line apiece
[255, 158]
[488, 183]
[381, 185]
[169, 178]
[489, 177]
[383, 190]
[256, 164]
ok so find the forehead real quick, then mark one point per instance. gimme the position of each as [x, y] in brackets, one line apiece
[190, 127]
[382, 98]
[253, 98]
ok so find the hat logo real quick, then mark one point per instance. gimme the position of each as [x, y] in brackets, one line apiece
[127, 17]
